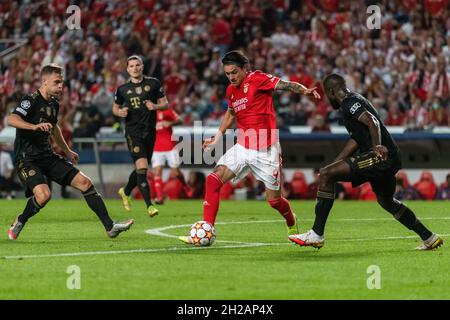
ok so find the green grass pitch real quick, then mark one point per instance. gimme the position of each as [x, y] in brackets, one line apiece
[252, 258]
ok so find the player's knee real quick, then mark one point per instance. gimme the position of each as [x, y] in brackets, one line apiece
[326, 175]
[84, 184]
[43, 196]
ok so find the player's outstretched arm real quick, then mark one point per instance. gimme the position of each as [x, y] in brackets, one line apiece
[297, 88]
[349, 149]
[17, 122]
[375, 133]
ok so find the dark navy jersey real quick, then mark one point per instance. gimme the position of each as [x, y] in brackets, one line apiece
[35, 109]
[140, 121]
[351, 108]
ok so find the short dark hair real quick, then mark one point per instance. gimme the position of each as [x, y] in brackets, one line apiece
[135, 57]
[333, 81]
[236, 58]
[51, 68]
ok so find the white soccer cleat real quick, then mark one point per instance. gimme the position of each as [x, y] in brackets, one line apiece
[308, 239]
[119, 227]
[16, 228]
[431, 243]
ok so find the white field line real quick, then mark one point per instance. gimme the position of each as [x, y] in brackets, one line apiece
[233, 245]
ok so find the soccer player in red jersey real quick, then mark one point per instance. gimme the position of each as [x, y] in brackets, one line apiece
[165, 151]
[257, 150]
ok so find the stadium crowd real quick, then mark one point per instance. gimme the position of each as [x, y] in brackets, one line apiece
[403, 67]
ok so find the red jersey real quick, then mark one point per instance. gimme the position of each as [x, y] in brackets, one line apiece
[255, 113]
[435, 7]
[164, 134]
[174, 82]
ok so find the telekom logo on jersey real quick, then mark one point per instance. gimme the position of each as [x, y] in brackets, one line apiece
[190, 141]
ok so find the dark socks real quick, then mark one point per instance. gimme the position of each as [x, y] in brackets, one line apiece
[132, 183]
[30, 210]
[95, 202]
[324, 204]
[143, 185]
[407, 218]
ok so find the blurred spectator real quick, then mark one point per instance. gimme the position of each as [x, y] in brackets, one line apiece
[401, 175]
[173, 187]
[91, 120]
[404, 191]
[438, 114]
[175, 84]
[440, 83]
[444, 190]
[366, 192]
[417, 116]
[320, 124]
[350, 192]
[419, 81]
[299, 186]
[221, 33]
[6, 173]
[196, 182]
[426, 186]
[296, 115]
[103, 101]
[395, 117]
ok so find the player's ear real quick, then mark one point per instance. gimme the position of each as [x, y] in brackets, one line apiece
[44, 79]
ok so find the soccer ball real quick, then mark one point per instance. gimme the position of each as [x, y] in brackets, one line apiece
[203, 234]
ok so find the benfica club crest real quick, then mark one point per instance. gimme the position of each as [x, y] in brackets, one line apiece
[245, 87]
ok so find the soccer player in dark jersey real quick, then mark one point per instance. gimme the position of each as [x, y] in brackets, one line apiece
[35, 119]
[137, 101]
[377, 162]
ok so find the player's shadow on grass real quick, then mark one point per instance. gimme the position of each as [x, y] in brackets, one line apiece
[311, 254]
